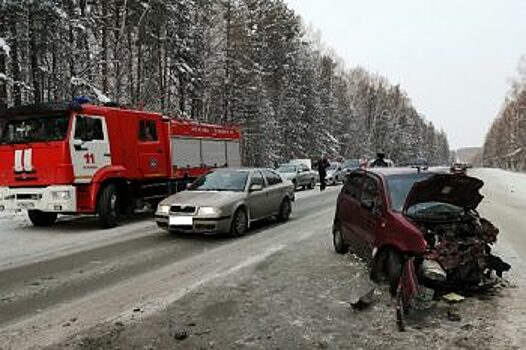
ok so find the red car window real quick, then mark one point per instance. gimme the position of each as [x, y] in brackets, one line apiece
[371, 191]
[353, 186]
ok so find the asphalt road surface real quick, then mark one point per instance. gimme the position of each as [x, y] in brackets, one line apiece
[280, 287]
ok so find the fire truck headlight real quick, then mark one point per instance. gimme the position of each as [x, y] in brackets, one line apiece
[163, 209]
[61, 195]
[208, 211]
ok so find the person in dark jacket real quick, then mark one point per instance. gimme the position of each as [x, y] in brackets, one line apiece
[323, 164]
[380, 162]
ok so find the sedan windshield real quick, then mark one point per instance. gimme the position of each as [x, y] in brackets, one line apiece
[234, 181]
[287, 169]
[33, 129]
[351, 164]
[400, 185]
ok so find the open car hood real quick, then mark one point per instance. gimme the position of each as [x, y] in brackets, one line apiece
[462, 191]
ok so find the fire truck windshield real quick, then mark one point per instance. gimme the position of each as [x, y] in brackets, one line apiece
[33, 129]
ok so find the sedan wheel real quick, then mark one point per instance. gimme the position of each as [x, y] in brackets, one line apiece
[239, 223]
[312, 184]
[284, 210]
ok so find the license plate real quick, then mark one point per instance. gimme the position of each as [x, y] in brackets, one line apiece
[181, 221]
[25, 205]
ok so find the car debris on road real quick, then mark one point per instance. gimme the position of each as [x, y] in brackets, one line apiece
[453, 297]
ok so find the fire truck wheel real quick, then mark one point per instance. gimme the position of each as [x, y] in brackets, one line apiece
[42, 219]
[108, 206]
[239, 223]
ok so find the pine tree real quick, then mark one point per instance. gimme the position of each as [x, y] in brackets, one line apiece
[250, 62]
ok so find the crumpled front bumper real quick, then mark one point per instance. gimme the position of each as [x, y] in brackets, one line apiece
[39, 198]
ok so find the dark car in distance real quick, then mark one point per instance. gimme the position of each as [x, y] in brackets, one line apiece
[421, 163]
[386, 215]
[459, 168]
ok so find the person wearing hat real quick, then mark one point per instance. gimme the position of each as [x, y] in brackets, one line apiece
[380, 162]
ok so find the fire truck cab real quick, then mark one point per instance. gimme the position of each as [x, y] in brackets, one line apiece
[72, 158]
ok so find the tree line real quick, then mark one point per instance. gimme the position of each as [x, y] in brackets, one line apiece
[249, 62]
[505, 144]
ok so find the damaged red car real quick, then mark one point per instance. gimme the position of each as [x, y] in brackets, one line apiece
[388, 216]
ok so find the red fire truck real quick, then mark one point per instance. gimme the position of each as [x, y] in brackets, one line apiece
[76, 158]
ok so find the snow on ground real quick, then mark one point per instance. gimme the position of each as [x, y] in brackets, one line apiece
[24, 243]
[28, 244]
[505, 206]
[298, 298]
[303, 194]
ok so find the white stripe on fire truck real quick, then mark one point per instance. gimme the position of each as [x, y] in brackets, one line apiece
[28, 159]
[18, 160]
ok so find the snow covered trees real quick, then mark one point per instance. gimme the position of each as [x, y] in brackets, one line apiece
[250, 62]
[505, 145]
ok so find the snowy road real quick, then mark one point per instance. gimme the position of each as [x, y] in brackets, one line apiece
[73, 271]
[282, 286]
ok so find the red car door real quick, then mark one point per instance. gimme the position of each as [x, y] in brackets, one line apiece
[371, 211]
[349, 212]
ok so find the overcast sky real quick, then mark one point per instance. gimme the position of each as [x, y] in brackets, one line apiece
[455, 58]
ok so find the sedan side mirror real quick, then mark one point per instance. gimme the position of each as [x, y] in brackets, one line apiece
[256, 188]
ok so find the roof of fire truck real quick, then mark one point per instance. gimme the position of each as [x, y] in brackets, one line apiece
[178, 126]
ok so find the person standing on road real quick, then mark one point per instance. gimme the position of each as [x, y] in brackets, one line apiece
[323, 164]
[380, 162]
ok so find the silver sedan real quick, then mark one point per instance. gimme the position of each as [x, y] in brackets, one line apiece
[227, 201]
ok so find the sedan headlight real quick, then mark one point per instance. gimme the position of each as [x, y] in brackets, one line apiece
[208, 211]
[60, 195]
[163, 209]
